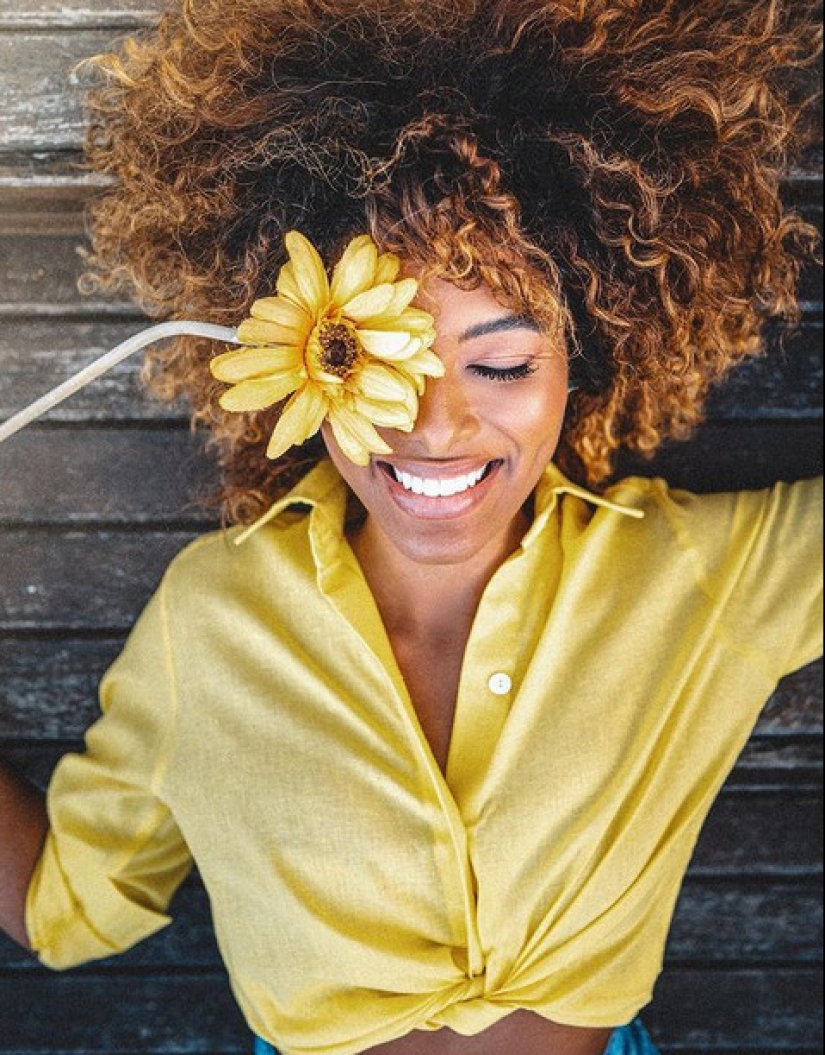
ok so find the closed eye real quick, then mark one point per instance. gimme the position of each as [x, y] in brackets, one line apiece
[504, 373]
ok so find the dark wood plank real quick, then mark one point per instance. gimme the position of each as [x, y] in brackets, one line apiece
[39, 277]
[698, 1010]
[39, 273]
[796, 706]
[37, 353]
[734, 924]
[752, 832]
[48, 690]
[136, 476]
[175, 1014]
[114, 477]
[734, 456]
[759, 832]
[41, 96]
[785, 384]
[79, 14]
[81, 580]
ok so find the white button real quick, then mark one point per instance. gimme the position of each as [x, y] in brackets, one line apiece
[501, 684]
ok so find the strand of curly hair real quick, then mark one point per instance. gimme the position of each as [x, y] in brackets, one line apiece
[610, 166]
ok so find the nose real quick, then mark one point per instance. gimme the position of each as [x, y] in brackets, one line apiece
[446, 418]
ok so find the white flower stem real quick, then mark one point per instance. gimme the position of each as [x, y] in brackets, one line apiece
[107, 362]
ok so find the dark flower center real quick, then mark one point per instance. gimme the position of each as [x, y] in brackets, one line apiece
[340, 349]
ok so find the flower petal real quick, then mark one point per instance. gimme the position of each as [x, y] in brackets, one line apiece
[388, 268]
[403, 294]
[248, 363]
[391, 345]
[301, 418]
[369, 304]
[308, 273]
[356, 271]
[262, 334]
[387, 415]
[425, 364]
[385, 383]
[356, 436]
[259, 393]
[414, 320]
[282, 312]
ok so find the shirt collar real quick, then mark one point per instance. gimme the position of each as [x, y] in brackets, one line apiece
[553, 485]
[323, 488]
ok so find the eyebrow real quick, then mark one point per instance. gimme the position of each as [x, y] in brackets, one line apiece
[502, 325]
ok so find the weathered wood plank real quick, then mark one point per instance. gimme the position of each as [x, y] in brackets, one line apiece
[754, 832]
[81, 580]
[48, 690]
[39, 277]
[40, 99]
[41, 105]
[796, 706]
[174, 1013]
[36, 355]
[138, 476]
[698, 1010]
[734, 924]
[80, 14]
[113, 477]
[758, 831]
[177, 1013]
[726, 457]
[39, 353]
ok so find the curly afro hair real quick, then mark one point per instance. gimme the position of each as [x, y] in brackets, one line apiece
[614, 165]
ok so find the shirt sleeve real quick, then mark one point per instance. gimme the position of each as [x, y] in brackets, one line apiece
[114, 856]
[758, 555]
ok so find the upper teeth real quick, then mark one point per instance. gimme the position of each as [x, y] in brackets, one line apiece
[432, 488]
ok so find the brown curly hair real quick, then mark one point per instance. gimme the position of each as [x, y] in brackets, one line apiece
[612, 164]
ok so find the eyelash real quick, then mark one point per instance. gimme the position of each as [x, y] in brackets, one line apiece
[509, 373]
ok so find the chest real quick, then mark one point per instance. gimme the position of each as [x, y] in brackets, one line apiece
[431, 669]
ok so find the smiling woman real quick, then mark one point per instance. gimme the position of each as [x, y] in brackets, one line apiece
[460, 695]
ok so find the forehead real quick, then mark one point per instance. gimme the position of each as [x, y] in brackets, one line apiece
[467, 315]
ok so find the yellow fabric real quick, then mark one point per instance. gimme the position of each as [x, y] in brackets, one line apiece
[257, 719]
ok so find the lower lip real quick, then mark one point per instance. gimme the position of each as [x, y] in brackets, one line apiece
[443, 508]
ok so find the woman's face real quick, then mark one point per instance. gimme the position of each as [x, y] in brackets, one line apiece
[455, 487]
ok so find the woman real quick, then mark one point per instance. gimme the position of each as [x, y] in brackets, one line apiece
[440, 725]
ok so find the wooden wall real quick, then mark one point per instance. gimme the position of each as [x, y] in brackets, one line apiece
[95, 501]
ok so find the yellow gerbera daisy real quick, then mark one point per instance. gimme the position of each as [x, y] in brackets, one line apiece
[351, 350]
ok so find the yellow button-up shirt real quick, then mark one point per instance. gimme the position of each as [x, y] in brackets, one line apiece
[258, 723]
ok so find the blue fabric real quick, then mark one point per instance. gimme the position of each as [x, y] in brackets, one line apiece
[630, 1040]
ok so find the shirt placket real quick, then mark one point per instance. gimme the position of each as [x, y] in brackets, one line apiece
[341, 580]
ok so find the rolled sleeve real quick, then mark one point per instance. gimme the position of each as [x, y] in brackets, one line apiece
[114, 856]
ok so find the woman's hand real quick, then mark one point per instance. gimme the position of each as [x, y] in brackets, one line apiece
[24, 825]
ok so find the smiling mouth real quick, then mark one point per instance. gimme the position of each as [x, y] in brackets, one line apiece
[442, 486]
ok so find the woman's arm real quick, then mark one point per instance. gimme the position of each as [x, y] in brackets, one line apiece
[23, 828]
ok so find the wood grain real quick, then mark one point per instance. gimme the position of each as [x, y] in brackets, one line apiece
[89, 581]
[38, 353]
[49, 686]
[716, 924]
[79, 14]
[698, 1008]
[113, 477]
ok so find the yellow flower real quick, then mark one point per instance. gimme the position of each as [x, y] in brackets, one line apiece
[351, 351]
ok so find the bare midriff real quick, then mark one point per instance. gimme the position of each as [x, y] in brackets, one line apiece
[522, 1033]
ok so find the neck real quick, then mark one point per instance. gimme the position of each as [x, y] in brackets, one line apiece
[425, 598]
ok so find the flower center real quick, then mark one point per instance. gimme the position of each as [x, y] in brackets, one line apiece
[340, 349]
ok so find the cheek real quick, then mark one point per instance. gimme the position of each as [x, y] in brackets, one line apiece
[533, 420]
